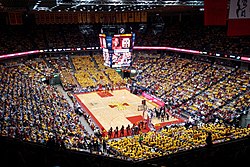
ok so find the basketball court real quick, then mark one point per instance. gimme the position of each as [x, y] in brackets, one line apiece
[117, 108]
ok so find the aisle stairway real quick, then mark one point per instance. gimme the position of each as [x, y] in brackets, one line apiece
[71, 64]
[83, 121]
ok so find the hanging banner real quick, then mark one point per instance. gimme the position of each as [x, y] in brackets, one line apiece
[144, 16]
[84, 17]
[42, 17]
[238, 27]
[52, 18]
[71, 19]
[75, 18]
[215, 12]
[118, 17]
[47, 18]
[137, 16]
[97, 17]
[131, 17]
[79, 17]
[101, 17]
[15, 18]
[124, 17]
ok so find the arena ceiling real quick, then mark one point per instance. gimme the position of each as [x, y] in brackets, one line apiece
[102, 5]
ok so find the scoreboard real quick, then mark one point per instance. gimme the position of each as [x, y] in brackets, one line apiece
[117, 49]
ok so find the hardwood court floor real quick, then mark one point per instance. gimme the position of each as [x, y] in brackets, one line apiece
[116, 108]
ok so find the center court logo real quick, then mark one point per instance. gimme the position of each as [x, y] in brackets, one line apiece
[119, 105]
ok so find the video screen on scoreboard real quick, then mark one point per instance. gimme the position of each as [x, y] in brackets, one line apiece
[103, 43]
[122, 41]
[106, 57]
[121, 59]
[117, 59]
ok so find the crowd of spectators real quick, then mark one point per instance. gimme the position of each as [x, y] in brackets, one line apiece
[194, 85]
[55, 37]
[182, 35]
[85, 67]
[38, 38]
[32, 73]
[112, 75]
[74, 38]
[34, 111]
[37, 112]
[206, 105]
[14, 39]
[197, 88]
[198, 37]
[174, 139]
[91, 74]
[63, 64]
[234, 110]
[40, 66]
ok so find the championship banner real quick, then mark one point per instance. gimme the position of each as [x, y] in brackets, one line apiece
[46, 18]
[239, 9]
[101, 18]
[84, 17]
[52, 18]
[12, 18]
[88, 17]
[131, 17]
[79, 17]
[137, 17]
[118, 17]
[42, 18]
[75, 18]
[97, 17]
[144, 16]
[125, 17]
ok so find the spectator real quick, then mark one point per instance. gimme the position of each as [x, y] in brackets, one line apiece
[122, 131]
[104, 145]
[110, 132]
[128, 130]
[209, 139]
[116, 131]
